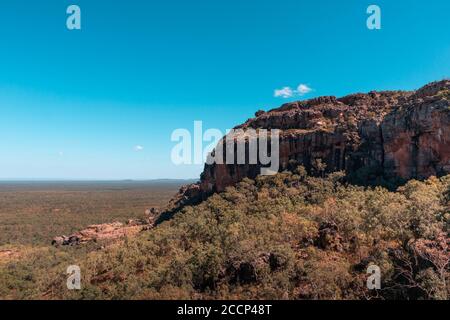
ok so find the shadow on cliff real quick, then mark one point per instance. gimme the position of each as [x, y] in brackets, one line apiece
[379, 139]
[369, 177]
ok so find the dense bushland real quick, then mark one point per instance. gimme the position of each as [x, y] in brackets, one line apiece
[290, 236]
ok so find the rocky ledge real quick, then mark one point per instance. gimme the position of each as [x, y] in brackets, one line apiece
[375, 137]
[103, 233]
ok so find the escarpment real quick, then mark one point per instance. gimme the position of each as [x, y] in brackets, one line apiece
[374, 137]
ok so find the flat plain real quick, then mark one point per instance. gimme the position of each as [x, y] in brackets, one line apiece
[32, 213]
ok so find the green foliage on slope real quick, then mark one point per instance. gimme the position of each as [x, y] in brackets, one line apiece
[289, 236]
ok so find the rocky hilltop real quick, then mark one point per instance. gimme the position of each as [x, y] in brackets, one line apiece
[373, 137]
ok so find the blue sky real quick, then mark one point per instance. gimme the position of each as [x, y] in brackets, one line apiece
[75, 104]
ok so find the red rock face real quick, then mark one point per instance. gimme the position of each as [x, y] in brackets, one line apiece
[393, 134]
[417, 136]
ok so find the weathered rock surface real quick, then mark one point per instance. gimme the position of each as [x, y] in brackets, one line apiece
[380, 135]
[102, 233]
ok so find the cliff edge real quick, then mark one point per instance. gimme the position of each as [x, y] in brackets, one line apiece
[375, 137]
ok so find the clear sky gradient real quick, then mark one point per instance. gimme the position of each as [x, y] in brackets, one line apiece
[75, 104]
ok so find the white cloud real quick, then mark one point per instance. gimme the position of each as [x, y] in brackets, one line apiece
[138, 148]
[288, 92]
[303, 89]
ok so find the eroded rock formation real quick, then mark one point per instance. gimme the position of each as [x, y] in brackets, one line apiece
[379, 135]
[102, 233]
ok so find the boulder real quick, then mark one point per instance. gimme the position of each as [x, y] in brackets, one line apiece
[329, 238]
[101, 233]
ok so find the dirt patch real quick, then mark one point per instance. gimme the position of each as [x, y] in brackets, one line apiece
[7, 255]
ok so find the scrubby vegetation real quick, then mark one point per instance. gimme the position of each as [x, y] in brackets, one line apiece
[32, 213]
[289, 236]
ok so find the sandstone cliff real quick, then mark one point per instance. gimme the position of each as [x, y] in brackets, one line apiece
[379, 136]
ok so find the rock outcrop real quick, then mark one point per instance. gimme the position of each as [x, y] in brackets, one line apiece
[389, 135]
[102, 233]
